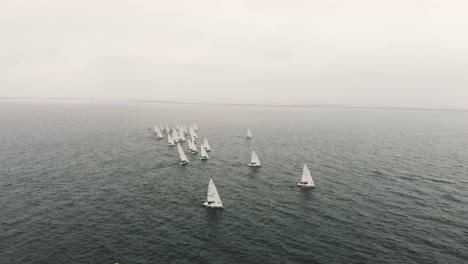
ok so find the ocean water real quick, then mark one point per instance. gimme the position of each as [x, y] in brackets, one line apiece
[88, 183]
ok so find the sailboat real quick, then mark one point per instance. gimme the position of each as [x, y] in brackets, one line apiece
[195, 127]
[204, 155]
[181, 136]
[206, 145]
[175, 136]
[183, 158]
[158, 132]
[189, 144]
[249, 133]
[170, 141]
[194, 148]
[306, 180]
[212, 198]
[254, 161]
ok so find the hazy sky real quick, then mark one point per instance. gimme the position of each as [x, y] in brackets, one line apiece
[361, 52]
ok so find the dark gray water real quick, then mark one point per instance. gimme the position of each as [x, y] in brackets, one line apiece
[87, 183]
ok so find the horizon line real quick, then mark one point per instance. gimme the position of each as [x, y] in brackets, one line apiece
[152, 101]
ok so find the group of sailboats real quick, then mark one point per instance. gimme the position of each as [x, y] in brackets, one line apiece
[177, 135]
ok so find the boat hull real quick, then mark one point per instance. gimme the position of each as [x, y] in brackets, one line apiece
[183, 163]
[255, 165]
[211, 205]
[300, 184]
[204, 158]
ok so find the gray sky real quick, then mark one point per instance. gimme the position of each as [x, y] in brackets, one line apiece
[401, 53]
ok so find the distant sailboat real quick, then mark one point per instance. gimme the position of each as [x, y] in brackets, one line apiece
[181, 136]
[194, 148]
[170, 141]
[189, 144]
[206, 145]
[183, 158]
[193, 133]
[195, 127]
[212, 198]
[204, 155]
[175, 136]
[306, 180]
[249, 133]
[158, 132]
[254, 160]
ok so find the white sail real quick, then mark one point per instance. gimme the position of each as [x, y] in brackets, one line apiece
[306, 179]
[175, 136]
[167, 129]
[194, 148]
[182, 156]
[170, 141]
[254, 160]
[181, 136]
[195, 127]
[249, 133]
[189, 144]
[204, 155]
[193, 133]
[212, 198]
[158, 132]
[206, 145]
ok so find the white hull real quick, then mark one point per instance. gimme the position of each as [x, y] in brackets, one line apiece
[204, 158]
[309, 184]
[254, 165]
[184, 163]
[212, 205]
[171, 144]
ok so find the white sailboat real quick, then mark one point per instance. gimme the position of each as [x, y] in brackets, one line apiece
[204, 155]
[158, 132]
[194, 148]
[181, 136]
[249, 133]
[170, 141]
[175, 136]
[189, 144]
[195, 127]
[183, 158]
[206, 145]
[306, 180]
[193, 133]
[212, 198]
[254, 160]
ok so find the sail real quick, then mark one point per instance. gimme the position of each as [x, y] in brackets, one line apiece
[189, 144]
[206, 145]
[203, 151]
[306, 177]
[194, 147]
[254, 158]
[181, 153]
[213, 195]
[195, 127]
[170, 140]
[175, 136]
[249, 133]
[181, 136]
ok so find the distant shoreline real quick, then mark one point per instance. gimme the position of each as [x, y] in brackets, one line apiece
[143, 101]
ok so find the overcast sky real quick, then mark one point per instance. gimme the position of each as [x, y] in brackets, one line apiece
[401, 53]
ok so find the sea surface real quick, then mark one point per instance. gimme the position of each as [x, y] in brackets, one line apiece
[86, 182]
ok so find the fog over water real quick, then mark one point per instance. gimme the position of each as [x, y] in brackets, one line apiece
[410, 53]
